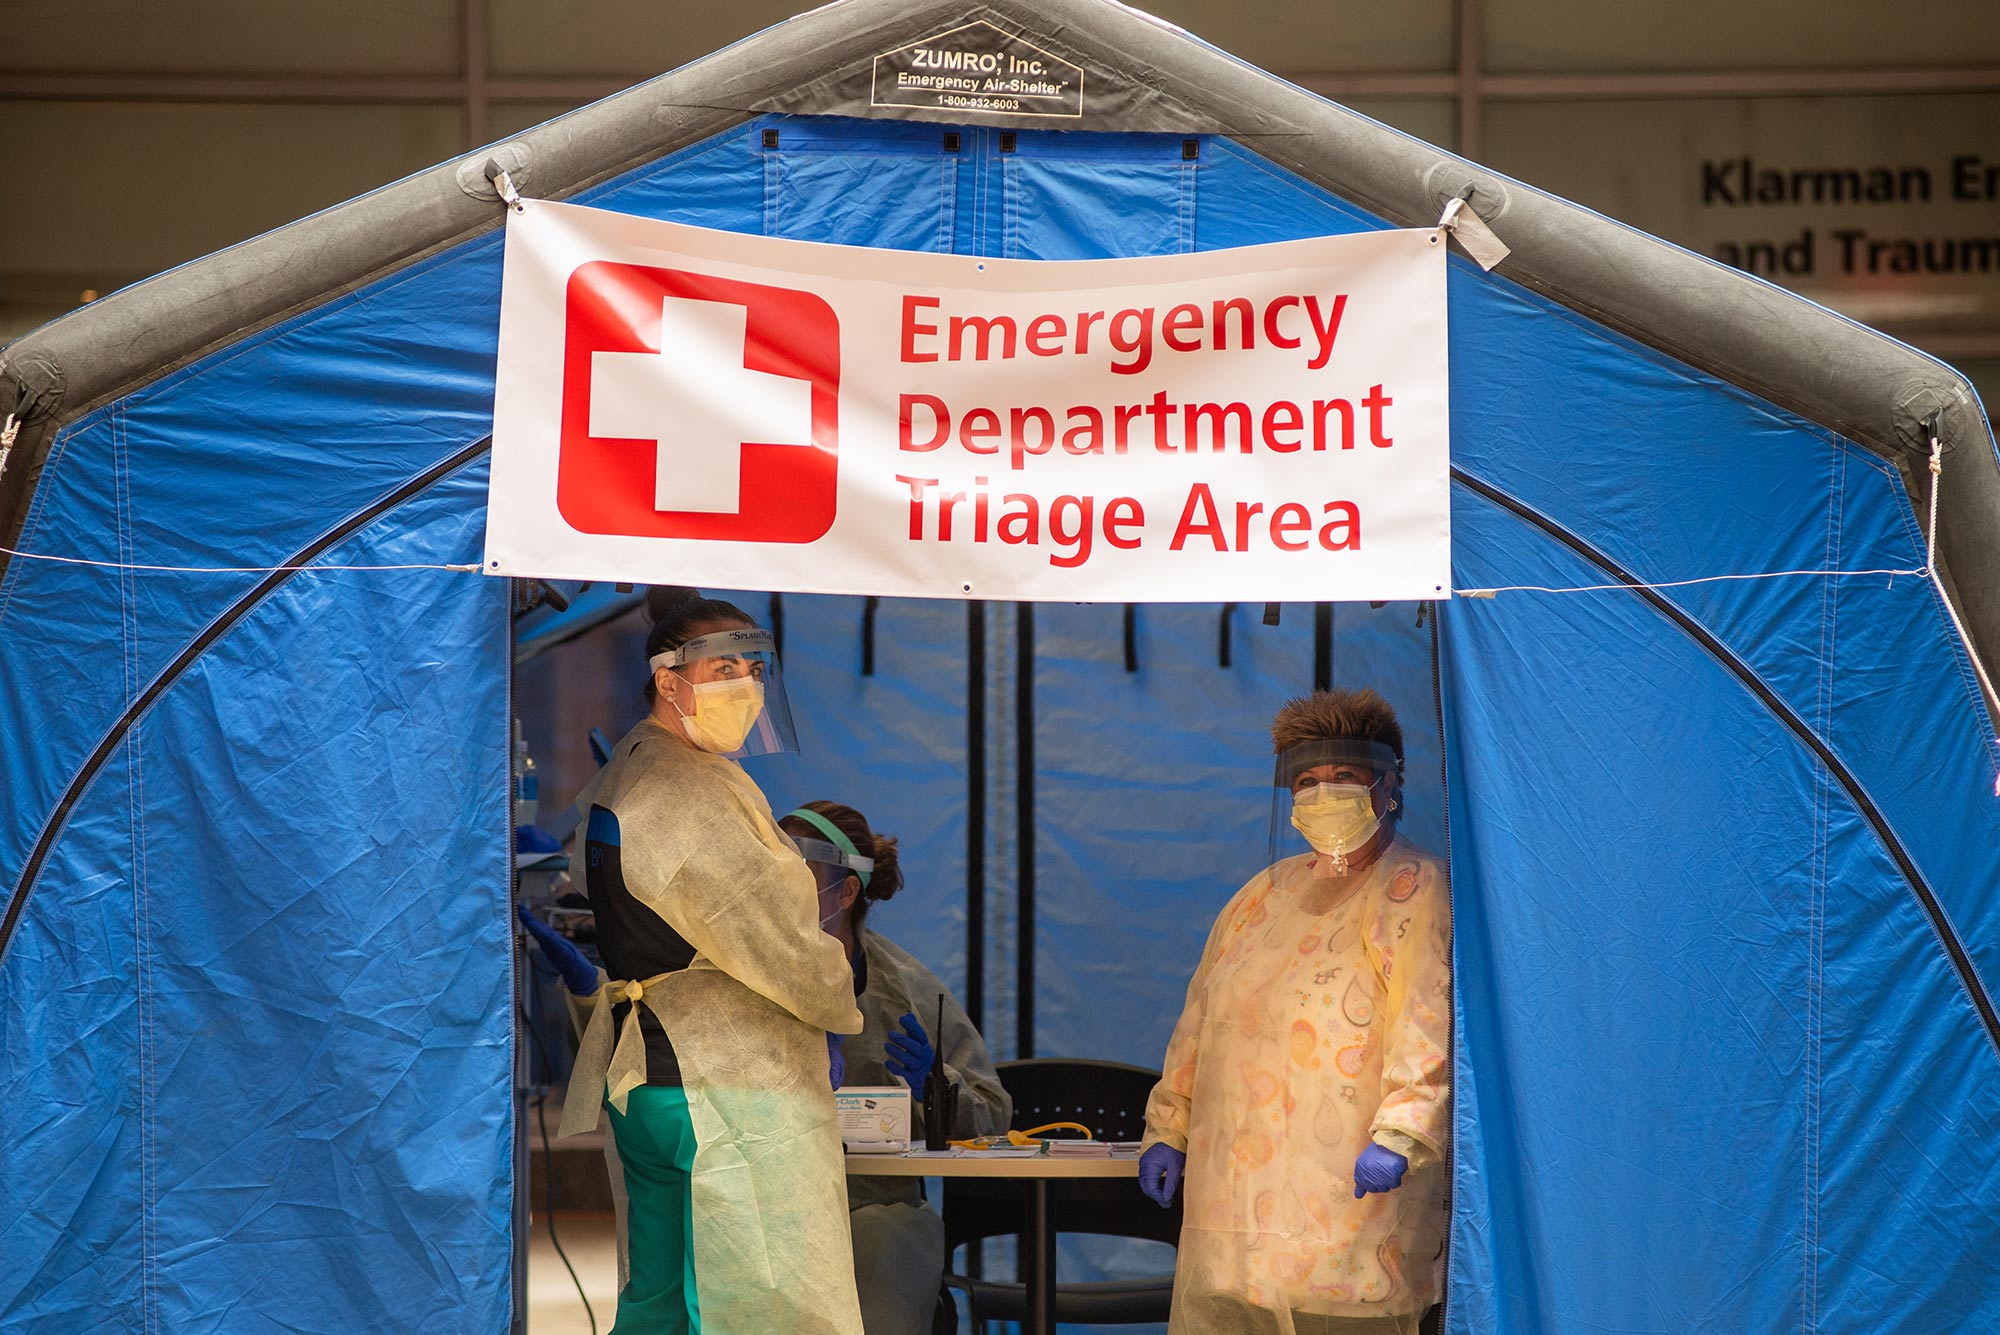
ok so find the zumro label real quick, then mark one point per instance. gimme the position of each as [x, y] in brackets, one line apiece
[979, 68]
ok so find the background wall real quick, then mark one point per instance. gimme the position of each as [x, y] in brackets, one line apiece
[144, 133]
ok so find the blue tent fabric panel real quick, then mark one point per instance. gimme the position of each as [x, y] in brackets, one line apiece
[717, 183]
[1906, 1114]
[1630, 1034]
[257, 1059]
[137, 482]
[1751, 489]
[70, 1226]
[1246, 200]
[1085, 196]
[356, 954]
[1666, 991]
[888, 184]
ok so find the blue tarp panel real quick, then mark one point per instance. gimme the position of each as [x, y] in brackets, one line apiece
[1715, 1069]
[257, 1056]
[1714, 1072]
[258, 1051]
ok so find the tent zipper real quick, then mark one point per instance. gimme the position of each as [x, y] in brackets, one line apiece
[1451, 907]
[520, 1213]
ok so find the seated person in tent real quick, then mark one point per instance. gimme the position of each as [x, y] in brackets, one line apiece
[1306, 1090]
[899, 1255]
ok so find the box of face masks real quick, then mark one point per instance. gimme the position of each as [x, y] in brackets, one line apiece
[874, 1119]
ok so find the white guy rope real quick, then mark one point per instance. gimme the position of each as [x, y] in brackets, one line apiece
[1679, 583]
[472, 568]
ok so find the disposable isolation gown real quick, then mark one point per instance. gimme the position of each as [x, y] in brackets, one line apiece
[898, 1239]
[747, 1020]
[1317, 1021]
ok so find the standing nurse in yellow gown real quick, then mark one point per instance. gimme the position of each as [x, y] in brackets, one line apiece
[1306, 1089]
[708, 1040]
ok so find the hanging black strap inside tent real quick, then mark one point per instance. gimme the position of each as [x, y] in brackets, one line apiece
[1222, 636]
[869, 608]
[1272, 612]
[1131, 637]
[1024, 829]
[975, 813]
[1322, 646]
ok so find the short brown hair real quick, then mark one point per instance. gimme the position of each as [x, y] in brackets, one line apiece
[1359, 715]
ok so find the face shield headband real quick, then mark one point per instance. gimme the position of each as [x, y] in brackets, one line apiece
[748, 643]
[1296, 760]
[839, 851]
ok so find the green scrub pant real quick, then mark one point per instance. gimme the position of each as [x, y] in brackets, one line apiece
[656, 1145]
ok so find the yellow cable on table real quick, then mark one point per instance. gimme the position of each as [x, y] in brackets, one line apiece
[1021, 1139]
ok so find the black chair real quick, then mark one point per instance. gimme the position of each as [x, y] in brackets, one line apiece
[1110, 1099]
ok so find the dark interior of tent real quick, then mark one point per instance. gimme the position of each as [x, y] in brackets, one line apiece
[1077, 788]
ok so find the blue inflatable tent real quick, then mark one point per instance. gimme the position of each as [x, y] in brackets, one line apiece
[1725, 855]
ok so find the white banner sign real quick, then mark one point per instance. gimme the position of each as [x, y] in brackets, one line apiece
[678, 405]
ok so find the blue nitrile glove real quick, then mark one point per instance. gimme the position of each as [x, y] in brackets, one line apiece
[579, 975]
[534, 841]
[910, 1053]
[1378, 1170]
[836, 1064]
[1160, 1171]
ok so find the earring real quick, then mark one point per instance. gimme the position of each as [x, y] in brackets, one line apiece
[1392, 804]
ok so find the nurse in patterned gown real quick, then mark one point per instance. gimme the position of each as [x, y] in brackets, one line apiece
[1305, 1101]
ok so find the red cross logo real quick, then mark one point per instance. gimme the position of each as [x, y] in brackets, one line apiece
[697, 407]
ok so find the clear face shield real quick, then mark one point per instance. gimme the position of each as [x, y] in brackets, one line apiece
[726, 692]
[1334, 798]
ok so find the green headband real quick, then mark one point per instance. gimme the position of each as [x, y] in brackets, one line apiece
[866, 868]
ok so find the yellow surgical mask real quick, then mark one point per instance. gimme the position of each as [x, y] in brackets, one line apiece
[724, 713]
[1335, 818]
